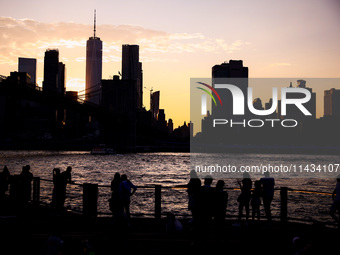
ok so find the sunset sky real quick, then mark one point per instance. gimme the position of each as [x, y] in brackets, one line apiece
[178, 39]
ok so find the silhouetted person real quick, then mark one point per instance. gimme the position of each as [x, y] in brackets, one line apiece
[193, 189]
[25, 187]
[336, 201]
[206, 203]
[65, 179]
[268, 184]
[126, 190]
[256, 200]
[58, 195]
[115, 204]
[66, 175]
[4, 181]
[220, 204]
[244, 197]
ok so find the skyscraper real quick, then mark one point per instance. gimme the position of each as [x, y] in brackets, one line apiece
[28, 65]
[229, 73]
[332, 102]
[154, 103]
[292, 112]
[51, 66]
[132, 69]
[61, 78]
[94, 47]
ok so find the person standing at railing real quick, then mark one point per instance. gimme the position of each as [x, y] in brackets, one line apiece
[115, 205]
[193, 189]
[58, 195]
[336, 201]
[206, 202]
[66, 175]
[268, 184]
[25, 184]
[65, 179]
[4, 181]
[126, 190]
[220, 205]
[244, 197]
[256, 200]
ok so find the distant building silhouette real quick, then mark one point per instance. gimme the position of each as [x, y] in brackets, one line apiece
[154, 103]
[72, 95]
[61, 78]
[20, 78]
[292, 112]
[120, 97]
[226, 72]
[236, 74]
[28, 65]
[257, 103]
[132, 69]
[170, 126]
[161, 118]
[94, 52]
[332, 102]
[51, 70]
[233, 69]
[301, 83]
[191, 127]
[183, 131]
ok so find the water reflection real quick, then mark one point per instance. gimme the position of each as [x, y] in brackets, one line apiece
[168, 170]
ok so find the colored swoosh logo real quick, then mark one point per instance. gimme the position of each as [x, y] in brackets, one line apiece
[213, 90]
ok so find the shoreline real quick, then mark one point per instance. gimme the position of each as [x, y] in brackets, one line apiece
[232, 149]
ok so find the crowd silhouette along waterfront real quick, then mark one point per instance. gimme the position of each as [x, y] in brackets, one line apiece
[212, 209]
[203, 200]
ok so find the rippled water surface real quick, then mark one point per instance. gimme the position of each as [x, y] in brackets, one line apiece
[168, 170]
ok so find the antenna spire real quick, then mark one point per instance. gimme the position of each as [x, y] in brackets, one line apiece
[94, 25]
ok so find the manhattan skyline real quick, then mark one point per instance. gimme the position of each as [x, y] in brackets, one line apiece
[177, 40]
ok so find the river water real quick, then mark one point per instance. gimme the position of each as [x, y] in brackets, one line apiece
[169, 170]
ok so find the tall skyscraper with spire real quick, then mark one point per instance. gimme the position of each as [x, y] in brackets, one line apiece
[94, 53]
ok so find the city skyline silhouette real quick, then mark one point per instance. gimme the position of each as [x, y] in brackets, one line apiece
[292, 44]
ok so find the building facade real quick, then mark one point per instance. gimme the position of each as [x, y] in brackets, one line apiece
[28, 65]
[332, 102]
[132, 69]
[51, 70]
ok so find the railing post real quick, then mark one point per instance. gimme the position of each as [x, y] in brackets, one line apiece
[158, 201]
[284, 203]
[36, 190]
[90, 197]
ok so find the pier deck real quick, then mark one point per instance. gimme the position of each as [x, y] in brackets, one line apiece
[28, 234]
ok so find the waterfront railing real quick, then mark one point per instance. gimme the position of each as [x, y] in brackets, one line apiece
[156, 201]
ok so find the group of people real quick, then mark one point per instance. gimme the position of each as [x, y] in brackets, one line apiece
[60, 181]
[122, 189]
[209, 204]
[206, 203]
[263, 188]
[20, 184]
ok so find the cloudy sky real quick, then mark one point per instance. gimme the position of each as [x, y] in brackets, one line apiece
[178, 39]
